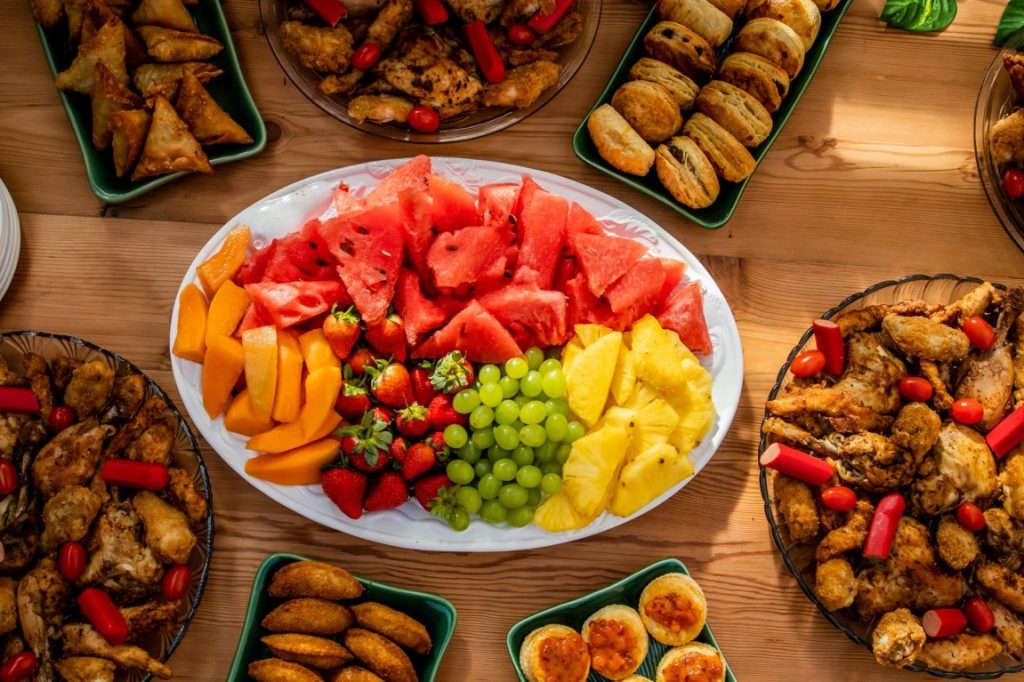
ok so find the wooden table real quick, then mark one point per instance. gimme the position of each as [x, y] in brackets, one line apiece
[874, 177]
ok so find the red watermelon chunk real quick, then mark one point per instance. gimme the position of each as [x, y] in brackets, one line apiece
[475, 332]
[454, 207]
[636, 293]
[534, 317]
[289, 303]
[254, 317]
[301, 256]
[683, 312]
[346, 202]
[604, 258]
[459, 258]
[417, 227]
[566, 268]
[674, 271]
[497, 205]
[584, 307]
[255, 265]
[526, 194]
[410, 175]
[542, 234]
[581, 221]
[419, 314]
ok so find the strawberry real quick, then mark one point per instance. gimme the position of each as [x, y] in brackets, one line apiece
[419, 459]
[360, 359]
[428, 490]
[366, 444]
[413, 421]
[442, 413]
[390, 383]
[388, 338]
[399, 446]
[346, 489]
[387, 492]
[353, 401]
[422, 388]
[342, 330]
[452, 373]
[441, 449]
[383, 414]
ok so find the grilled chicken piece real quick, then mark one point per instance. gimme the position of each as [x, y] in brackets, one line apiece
[960, 652]
[153, 615]
[7, 377]
[151, 412]
[38, 374]
[924, 338]
[118, 561]
[321, 48]
[957, 546]
[522, 85]
[868, 317]
[392, 18]
[167, 530]
[796, 505]
[10, 426]
[68, 515]
[8, 605]
[70, 458]
[1005, 537]
[380, 108]
[1006, 138]
[1003, 584]
[82, 640]
[848, 537]
[19, 531]
[129, 392]
[897, 639]
[916, 430]
[153, 445]
[937, 376]
[42, 597]
[334, 84]
[964, 471]
[1009, 628]
[182, 493]
[62, 368]
[974, 302]
[471, 10]
[90, 388]
[1011, 481]
[835, 584]
[86, 669]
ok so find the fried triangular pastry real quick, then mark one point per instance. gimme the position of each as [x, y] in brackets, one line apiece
[128, 129]
[48, 12]
[107, 46]
[170, 147]
[164, 79]
[168, 45]
[166, 13]
[108, 97]
[208, 122]
[97, 14]
[75, 9]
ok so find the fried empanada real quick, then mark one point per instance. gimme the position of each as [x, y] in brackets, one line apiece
[314, 579]
[308, 616]
[165, 79]
[107, 46]
[382, 656]
[168, 45]
[208, 122]
[170, 147]
[108, 97]
[48, 12]
[128, 129]
[395, 625]
[166, 13]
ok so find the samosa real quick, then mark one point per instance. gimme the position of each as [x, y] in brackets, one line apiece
[107, 46]
[98, 13]
[166, 13]
[168, 45]
[128, 129]
[208, 122]
[48, 12]
[165, 79]
[170, 147]
[108, 97]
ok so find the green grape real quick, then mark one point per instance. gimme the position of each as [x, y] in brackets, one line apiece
[551, 483]
[482, 438]
[528, 477]
[533, 435]
[563, 453]
[521, 400]
[557, 427]
[506, 412]
[491, 511]
[574, 431]
[512, 495]
[533, 497]
[534, 356]
[476, 385]
[488, 486]
[482, 467]
[520, 517]
[516, 368]
[491, 395]
[523, 455]
[545, 452]
[468, 498]
[489, 374]
[458, 519]
[553, 383]
[547, 468]
[505, 469]
[506, 436]
[460, 471]
[465, 400]
[509, 386]
[455, 435]
[533, 412]
[496, 452]
[481, 417]
[532, 384]
[470, 452]
[549, 365]
[557, 407]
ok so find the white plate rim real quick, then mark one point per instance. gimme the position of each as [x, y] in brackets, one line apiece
[10, 239]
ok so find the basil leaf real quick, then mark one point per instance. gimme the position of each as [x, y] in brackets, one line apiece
[1011, 21]
[920, 16]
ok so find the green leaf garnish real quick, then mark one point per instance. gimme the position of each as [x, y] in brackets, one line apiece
[920, 16]
[1011, 21]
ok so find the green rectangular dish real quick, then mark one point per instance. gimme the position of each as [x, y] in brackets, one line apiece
[721, 211]
[229, 90]
[437, 615]
[626, 591]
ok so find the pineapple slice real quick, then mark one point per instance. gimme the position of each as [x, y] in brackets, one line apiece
[589, 333]
[624, 378]
[569, 354]
[641, 397]
[653, 424]
[655, 358]
[696, 415]
[590, 473]
[619, 416]
[556, 514]
[654, 471]
[591, 377]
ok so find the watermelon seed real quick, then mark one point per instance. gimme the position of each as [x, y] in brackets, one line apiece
[451, 247]
[362, 230]
[322, 263]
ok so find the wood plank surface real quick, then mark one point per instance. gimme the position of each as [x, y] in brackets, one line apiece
[872, 178]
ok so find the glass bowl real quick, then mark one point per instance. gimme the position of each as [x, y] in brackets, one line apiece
[799, 559]
[465, 127]
[996, 100]
[185, 452]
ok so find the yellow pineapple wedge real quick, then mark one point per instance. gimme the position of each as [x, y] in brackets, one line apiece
[696, 415]
[652, 425]
[591, 377]
[589, 475]
[641, 397]
[624, 378]
[556, 514]
[569, 353]
[589, 333]
[654, 356]
[653, 472]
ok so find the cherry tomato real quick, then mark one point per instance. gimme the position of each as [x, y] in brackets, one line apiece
[8, 477]
[916, 389]
[970, 516]
[19, 667]
[979, 615]
[521, 35]
[839, 498]
[61, 417]
[176, 582]
[71, 560]
[1013, 183]
[366, 56]
[967, 411]
[979, 332]
[424, 119]
[808, 363]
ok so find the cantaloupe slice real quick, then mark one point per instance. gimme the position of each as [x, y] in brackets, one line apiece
[301, 466]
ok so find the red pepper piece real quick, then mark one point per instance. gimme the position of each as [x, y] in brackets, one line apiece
[486, 54]
[132, 474]
[979, 615]
[883, 526]
[542, 23]
[432, 12]
[1007, 433]
[19, 667]
[20, 400]
[8, 477]
[799, 465]
[943, 622]
[331, 11]
[829, 339]
[104, 615]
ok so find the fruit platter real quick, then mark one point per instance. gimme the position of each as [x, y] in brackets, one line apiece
[490, 384]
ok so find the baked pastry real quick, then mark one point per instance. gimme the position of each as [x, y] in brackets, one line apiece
[678, 46]
[618, 143]
[617, 641]
[649, 108]
[554, 653]
[803, 16]
[679, 85]
[673, 607]
[736, 111]
[709, 22]
[732, 8]
[694, 661]
[688, 175]
[731, 159]
[756, 75]
[773, 40]
[827, 5]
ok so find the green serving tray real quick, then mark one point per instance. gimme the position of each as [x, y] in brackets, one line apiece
[626, 591]
[436, 613]
[229, 90]
[721, 211]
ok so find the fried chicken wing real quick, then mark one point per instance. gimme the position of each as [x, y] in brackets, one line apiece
[182, 493]
[988, 376]
[471, 10]
[1003, 584]
[835, 584]
[42, 597]
[960, 652]
[118, 561]
[854, 321]
[1004, 537]
[898, 638]
[565, 32]
[320, 48]
[916, 429]
[522, 85]
[38, 374]
[90, 388]
[922, 337]
[796, 504]
[151, 412]
[8, 605]
[68, 515]
[1011, 482]
[82, 640]
[62, 367]
[154, 445]
[380, 108]
[974, 302]
[957, 546]
[1009, 628]
[1018, 362]
[70, 458]
[86, 669]
[153, 615]
[129, 392]
[10, 427]
[518, 11]
[392, 18]
[848, 537]
[936, 376]
[167, 530]
[1006, 138]
[965, 471]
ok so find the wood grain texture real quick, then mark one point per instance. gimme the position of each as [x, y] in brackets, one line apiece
[872, 178]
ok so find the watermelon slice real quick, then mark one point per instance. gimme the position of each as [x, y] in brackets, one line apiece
[636, 293]
[301, 256]
[346, 202]
[410, 175]
[419, 314]
[604, 258]
[289, 303]
[454, 207]
[368, 247]
[458, 258]
[566, 268]
[526, 194]
[475, 332]
[542, 233]
[497, 205]
[255, 265]
[417, 227]
[534, 317]
[683, 312]
[254, 317]
[581, 221]
[584, 307]
[674, 271]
